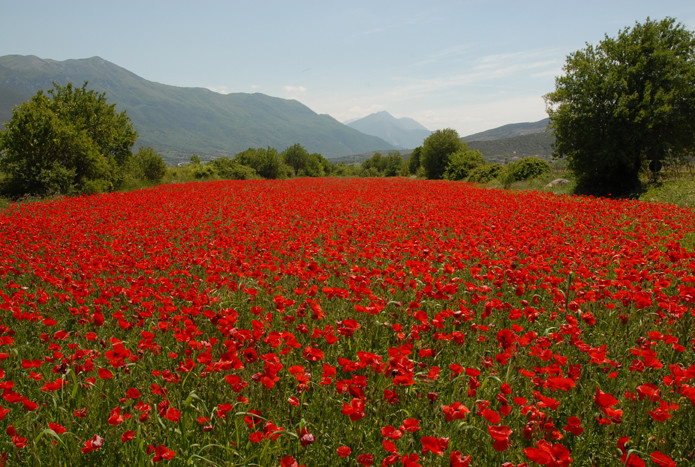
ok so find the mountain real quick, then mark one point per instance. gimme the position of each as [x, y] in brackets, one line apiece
[404, 133]
[509, 131]
[513, 141]
[180, 121]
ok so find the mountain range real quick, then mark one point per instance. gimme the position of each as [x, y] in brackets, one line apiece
[403, 133]
[180, 121]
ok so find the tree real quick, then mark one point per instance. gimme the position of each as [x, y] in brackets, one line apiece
[296, 157]
[414, 161]
[628, 100]
[66, 141]
[437, 149]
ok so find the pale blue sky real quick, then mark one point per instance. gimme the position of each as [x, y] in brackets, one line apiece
[469, 65]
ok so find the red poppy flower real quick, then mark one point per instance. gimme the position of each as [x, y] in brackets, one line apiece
[546, 453]
[662, 459]
[365, 459]
[603, 399]
[390, 432]
[574, 426]
[410, 424]
[162, 453]
[307, 439]
[313, 354]
[97, 442]
[288, 461]
[60, 429]
[455, 411]
[173, 415]
[434, 445]
[458, 460]
[499, 433]
[649, 391]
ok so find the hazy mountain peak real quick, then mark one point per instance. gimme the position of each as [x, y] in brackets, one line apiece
[405, 133]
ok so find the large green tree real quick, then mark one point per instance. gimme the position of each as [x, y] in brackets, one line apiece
[437, 150]
[66, 141]
[626, 101]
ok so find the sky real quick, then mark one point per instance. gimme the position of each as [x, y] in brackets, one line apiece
[470, 65]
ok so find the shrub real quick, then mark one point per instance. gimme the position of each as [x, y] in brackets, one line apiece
[528, 167]
[485, 173]
[148, 165]
[461, 163]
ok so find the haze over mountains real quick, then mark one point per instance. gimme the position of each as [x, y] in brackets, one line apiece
[178, 121]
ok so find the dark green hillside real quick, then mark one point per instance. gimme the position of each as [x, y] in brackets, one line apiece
[507, 149]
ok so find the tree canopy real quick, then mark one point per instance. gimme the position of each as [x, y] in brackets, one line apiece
[626, 101]
[66, 141]
[437, 150]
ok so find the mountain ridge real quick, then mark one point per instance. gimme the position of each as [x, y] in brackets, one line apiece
[180, 121]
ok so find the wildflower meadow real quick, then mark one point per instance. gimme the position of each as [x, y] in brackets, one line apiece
[346, 322]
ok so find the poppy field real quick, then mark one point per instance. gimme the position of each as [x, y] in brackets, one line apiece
[346, 322]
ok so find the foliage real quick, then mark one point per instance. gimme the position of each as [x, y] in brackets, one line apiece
[370, 172]
[345, 170]
[414, 161]
[462, 162]
[305, 164]
[268, 163]
[379, 166]
[628, 100]
[228, 169]
[528, 167]
[485, 173]
[436, 152]
[149, 165]
[66, 141]
[345, 322]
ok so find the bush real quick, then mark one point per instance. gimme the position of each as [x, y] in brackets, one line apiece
[461, 163]
[485, 173]
[527, 168]
[370, 172]
[148, 165]
[232, 170]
